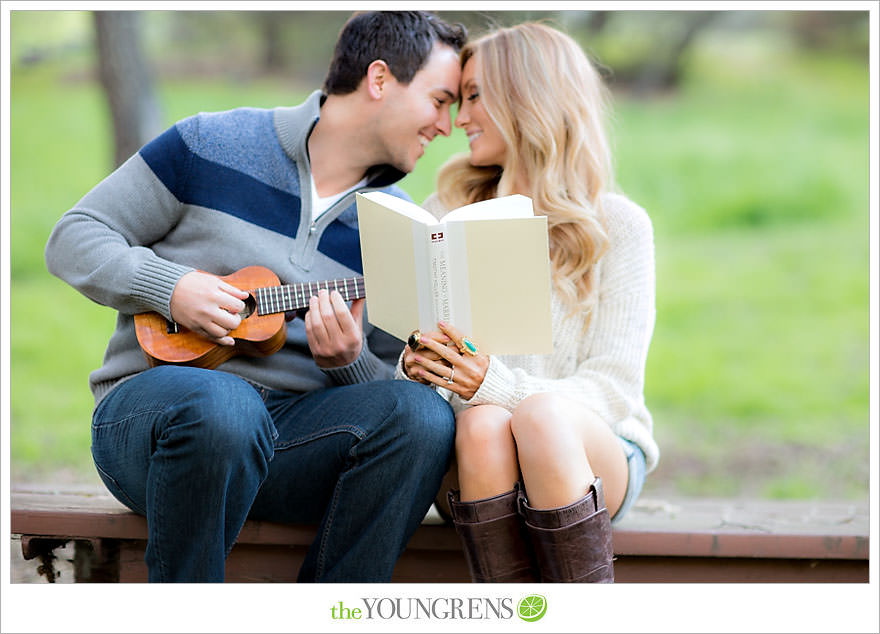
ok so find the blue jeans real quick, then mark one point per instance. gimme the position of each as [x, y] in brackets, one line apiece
[199, 451]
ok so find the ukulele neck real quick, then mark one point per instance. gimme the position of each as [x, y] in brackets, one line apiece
[279, 299]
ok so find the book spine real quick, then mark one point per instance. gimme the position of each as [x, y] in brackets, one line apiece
[440, 276]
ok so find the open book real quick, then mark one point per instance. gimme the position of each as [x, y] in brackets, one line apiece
[483, 268]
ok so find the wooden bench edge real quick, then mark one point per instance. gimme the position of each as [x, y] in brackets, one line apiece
[126, 525]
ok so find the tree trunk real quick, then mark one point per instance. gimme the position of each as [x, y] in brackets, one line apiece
[127, 81]
[664, 71]
[270, 23]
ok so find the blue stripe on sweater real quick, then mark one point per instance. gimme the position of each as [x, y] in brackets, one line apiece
[342, 243]
[194, 180]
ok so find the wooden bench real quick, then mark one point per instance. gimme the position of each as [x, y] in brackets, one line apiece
[686, 540]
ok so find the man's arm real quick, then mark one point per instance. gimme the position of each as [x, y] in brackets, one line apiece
[100, 247]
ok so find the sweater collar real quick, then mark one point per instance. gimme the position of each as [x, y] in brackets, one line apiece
[294, 125]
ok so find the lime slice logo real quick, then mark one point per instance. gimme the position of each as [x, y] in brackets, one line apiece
[532, 607]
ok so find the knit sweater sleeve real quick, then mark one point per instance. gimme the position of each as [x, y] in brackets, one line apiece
[610, 379]
[102, 245]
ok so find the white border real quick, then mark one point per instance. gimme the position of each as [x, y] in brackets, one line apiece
[241, 608]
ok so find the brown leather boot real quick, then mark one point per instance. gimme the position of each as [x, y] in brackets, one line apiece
[496, 546]
[572, 543]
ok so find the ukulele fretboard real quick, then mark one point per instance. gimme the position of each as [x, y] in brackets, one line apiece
[279, 299]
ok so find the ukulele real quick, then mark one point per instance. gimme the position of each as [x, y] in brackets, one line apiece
[263, 328]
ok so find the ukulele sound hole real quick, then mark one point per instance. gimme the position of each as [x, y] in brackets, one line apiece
[250, 305]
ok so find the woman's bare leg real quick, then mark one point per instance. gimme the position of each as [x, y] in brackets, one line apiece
[561, 447]
[485, 452]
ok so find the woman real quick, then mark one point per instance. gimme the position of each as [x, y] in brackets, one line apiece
[548, 447]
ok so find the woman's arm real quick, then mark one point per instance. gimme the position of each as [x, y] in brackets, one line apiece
[611, 379]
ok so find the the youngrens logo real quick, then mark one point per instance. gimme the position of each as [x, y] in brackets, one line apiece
[530, 608]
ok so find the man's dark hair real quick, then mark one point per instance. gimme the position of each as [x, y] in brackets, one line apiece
[402, 39]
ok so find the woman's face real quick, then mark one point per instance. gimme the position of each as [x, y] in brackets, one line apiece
[487, 146]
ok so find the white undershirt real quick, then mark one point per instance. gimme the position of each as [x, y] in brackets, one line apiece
[321, 204]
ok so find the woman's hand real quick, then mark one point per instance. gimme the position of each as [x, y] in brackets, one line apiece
[412, 368]
[441, 361]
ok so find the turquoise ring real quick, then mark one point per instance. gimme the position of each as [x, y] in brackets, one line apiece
[467, 347]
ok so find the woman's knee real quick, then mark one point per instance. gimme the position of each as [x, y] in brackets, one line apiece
[552, 433]
[559, 439]
[540, 419]
[481, 431]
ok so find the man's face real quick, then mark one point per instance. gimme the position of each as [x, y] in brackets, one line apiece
[415, 113]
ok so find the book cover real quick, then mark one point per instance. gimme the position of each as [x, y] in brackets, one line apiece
[484, 268]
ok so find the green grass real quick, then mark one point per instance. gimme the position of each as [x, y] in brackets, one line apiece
[755, 176]
[57, 338]
[757, 184]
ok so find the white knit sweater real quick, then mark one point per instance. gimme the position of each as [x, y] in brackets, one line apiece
[604, 367]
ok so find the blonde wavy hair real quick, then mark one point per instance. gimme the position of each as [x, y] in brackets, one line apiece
[550, 105]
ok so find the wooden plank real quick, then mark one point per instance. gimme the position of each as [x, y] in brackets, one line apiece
[638, 569]
[77, 514]
[683, 528]
[251, 563]
[737, 544]
[260, 563]
[738, 528]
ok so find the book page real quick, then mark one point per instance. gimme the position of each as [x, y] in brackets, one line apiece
[514, 206]
[401, 206]
[506, 274]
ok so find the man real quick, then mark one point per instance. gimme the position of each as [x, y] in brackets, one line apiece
[316, 432]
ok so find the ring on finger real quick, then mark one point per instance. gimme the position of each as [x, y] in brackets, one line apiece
[414, 341]
[451, 376]
[466, 346]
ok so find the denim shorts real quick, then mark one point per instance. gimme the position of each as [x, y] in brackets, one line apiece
[635, 459]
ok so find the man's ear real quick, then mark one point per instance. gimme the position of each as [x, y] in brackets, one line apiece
[378, 75]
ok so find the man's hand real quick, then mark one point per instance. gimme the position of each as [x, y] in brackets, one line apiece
[208, 306]
[335, 333]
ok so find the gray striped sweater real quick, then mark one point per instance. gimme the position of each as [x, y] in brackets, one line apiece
[217, 192]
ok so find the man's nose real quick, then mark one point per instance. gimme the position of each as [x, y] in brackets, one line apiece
[444, 125]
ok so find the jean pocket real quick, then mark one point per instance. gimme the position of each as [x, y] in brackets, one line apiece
[116, 490]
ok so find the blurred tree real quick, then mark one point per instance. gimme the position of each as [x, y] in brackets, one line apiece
[823, 30]
[127, 81]
[655, 63]
[270, 29]
[596, 21]
[663, 70]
